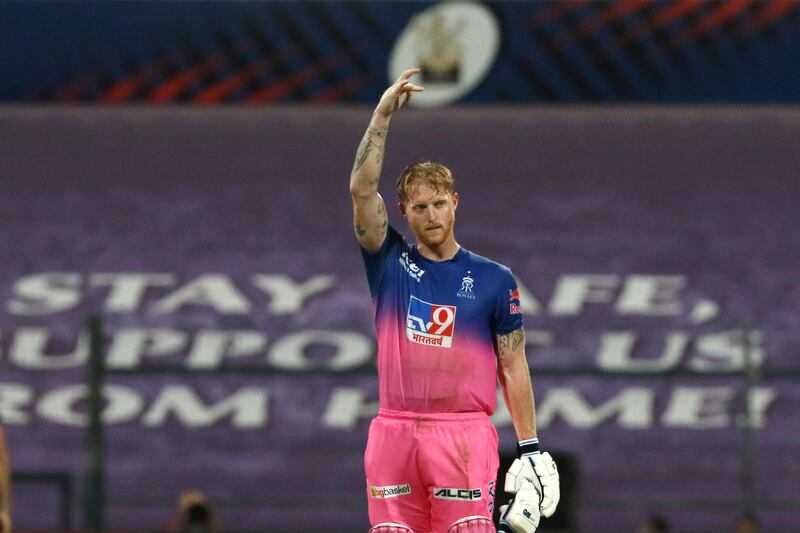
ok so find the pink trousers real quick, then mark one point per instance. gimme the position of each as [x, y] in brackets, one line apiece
[426, 471]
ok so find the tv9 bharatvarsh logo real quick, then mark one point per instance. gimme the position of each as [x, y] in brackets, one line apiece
[430, 324]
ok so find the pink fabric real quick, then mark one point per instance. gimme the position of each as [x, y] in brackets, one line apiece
[389, 528]
[429, 471]
[427, 379]
[473, 525]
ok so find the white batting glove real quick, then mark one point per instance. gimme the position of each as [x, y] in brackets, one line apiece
[521, 515]
[540, 470]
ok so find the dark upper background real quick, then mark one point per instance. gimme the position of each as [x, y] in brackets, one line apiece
[337, 52]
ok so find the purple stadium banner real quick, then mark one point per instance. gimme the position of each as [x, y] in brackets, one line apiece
[656, 244]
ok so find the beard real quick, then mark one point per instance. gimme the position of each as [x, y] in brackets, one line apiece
[434, 239]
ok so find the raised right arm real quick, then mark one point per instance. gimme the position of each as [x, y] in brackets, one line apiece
[370, 220]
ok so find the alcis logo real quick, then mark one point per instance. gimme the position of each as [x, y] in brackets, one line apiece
[467, 495]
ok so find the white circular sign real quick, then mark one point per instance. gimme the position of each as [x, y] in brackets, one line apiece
[455, 45]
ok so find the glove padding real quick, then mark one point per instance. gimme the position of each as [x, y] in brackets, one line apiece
[521, 515]
[540, 470]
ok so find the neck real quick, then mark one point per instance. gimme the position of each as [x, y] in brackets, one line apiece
[447, 250]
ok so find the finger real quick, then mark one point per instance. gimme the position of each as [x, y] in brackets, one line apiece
[411, 92]
[405, 88]
[408, 73]
[400, 86]
[408, 89]
[404, 77]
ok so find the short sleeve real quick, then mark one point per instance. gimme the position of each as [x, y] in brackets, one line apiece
[508, 313]
[376, 263]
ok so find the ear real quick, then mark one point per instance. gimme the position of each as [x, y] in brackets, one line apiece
[455, 201]
[402, 207]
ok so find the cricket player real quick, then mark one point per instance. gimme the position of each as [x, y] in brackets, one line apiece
[5, 486]
[449, 327]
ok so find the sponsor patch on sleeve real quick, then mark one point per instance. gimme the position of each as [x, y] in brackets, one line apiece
[514, 306]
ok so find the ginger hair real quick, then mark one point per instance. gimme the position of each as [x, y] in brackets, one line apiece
[433, 174]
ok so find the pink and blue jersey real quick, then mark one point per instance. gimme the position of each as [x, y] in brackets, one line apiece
[435, 323]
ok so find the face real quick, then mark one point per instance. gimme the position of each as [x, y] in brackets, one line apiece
[430, 214]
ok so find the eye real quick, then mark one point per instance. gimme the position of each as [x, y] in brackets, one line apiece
[439, 203]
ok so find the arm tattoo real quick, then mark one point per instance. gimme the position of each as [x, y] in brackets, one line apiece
[367, 145]
[510, 342]
[384, 216]
[382, 224]
[517, 338]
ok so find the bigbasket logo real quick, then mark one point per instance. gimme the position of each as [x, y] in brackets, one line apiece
[466, 495]
[392, 491]
[430, 324]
